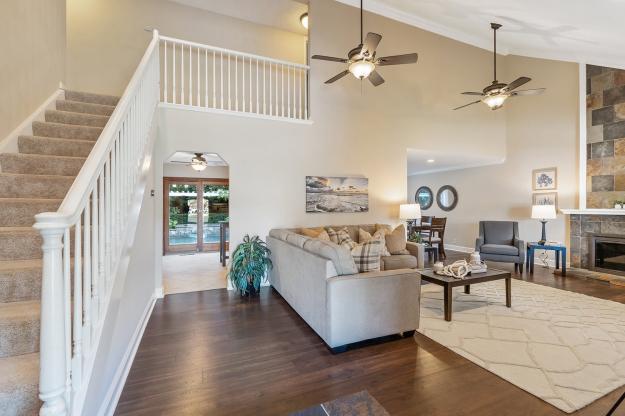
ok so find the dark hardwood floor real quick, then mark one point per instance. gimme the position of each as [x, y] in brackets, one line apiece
[213, 353]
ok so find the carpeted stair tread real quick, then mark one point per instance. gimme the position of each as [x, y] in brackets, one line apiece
[17, 185]
[54, 147]
[40, 164]
[78, 119]
[65, 131]
[20, 243]
[92, 98]
[85, 108]
[19, 385]
[20, 212]
[19, 328]
[20, 280]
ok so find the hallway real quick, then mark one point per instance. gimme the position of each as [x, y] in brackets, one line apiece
[192, 272]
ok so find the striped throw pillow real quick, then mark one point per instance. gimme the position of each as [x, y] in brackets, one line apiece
[345, 239]
[367, 256]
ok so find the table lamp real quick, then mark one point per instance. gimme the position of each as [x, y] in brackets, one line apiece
[409, 212]
[543, 213]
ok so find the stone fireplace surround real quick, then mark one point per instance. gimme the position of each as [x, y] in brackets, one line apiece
[583, 227]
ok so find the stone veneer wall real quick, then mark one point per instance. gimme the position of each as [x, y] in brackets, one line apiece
[583, 227]
[605, 104]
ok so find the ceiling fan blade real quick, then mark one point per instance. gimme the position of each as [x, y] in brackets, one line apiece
[409, 58]
[472, 93]
[516, 83]
[371, 43]
[536, 91]
[337, 77]
[329, 58]
[376, 79]
[466, 105]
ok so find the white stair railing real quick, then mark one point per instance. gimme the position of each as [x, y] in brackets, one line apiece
[90, 226]
[206, 77]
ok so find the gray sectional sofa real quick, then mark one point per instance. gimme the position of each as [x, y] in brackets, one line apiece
[319, 280]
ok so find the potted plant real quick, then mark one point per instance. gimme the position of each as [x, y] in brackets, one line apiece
[249, 265]
[618, 204]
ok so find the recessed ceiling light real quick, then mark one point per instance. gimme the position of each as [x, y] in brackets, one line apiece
[304, 20]
[430, 160]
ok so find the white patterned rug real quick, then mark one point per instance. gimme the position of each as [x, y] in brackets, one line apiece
[563, 347]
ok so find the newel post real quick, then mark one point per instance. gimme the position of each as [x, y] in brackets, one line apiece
[52, 349]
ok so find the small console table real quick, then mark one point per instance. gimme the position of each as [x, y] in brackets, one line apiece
[560, 251]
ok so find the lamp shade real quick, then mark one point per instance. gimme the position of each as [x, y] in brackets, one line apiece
[409, 211]
[543, 212]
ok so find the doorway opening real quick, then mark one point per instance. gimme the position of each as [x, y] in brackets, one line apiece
[196, 223]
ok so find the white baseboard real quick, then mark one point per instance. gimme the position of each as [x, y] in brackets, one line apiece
[159, 293]
[121, 374]
[9, 143]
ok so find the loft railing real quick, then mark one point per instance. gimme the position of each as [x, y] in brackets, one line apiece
[91, 226]
[216, 79]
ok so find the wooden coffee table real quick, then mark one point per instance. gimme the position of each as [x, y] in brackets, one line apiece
[449, 283]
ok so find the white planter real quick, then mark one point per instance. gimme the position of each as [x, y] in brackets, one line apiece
[618, 206]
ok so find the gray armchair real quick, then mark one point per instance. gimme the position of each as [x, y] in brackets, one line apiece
[499, 241]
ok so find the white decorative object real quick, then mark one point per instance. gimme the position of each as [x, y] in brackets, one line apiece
[475, 258]
[618, 206]
[458, 269]
[438, 267]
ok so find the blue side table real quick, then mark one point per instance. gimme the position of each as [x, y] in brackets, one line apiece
[560, 251]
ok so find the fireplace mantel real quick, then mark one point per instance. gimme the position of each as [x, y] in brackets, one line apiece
[591, 211]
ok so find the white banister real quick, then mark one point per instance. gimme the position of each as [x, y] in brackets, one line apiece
[241, 75]
[83, 240]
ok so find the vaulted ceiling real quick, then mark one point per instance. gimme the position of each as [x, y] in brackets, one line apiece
[589, 31]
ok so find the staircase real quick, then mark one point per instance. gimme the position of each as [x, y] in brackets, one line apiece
[32, 181]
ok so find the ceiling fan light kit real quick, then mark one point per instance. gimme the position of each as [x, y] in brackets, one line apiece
[198, 163]
[497, 93]
[362, 62]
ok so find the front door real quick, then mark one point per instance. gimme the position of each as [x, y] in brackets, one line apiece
[193, 209]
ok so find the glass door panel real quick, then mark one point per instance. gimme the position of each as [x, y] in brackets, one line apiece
[215, 210]
[183, 216]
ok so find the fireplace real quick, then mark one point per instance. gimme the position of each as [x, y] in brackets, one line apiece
[607, 253]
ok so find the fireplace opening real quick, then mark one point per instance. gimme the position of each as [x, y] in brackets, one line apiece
[608, 253]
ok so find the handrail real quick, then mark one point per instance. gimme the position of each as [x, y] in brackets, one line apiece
[92, 226]
[233, 52]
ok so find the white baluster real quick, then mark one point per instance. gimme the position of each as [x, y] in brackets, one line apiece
[306, 95]
[173, 81]
[198, 77]
[264, 89]
[87, 279]
[288, 91]
[101, 246]
[270, 92]
[78, 312]
[67, 299]
[52, 348]
[243, 80]
[206, 78]
[300, 95]
[214, 91]
[165, 77]
[229, 96]
[221, 78]
[257, 87]
[236, 83]
[251, 84]
[182, 74]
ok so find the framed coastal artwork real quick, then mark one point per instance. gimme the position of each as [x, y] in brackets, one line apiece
[337, 194]
[545, 179]
[545, 198]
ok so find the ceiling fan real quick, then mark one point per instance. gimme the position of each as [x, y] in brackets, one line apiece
[362, 61]
[497, 93]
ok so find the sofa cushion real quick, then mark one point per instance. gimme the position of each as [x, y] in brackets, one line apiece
[297, 239]
[345, 239]
[399, 261]
[499, 232]
[367, 256]
[365, 237]
[340, 256]
[396, 240]
[333, 234]
[502, 249]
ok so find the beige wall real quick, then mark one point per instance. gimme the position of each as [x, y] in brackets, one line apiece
[32, 34]
[541, 132]
[354, 132]
[106, 38]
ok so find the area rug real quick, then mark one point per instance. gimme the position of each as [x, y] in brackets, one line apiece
[566, 348]
[357, 404]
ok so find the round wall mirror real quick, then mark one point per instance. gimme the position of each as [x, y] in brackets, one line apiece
[447, 198]
[424, 197]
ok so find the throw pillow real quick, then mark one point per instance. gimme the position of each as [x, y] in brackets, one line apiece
[345, 239]
[384, 227]
[396, 240]
[333, 235]
[365, 237]
[323, 236]
[367, 256]
[312, 232]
